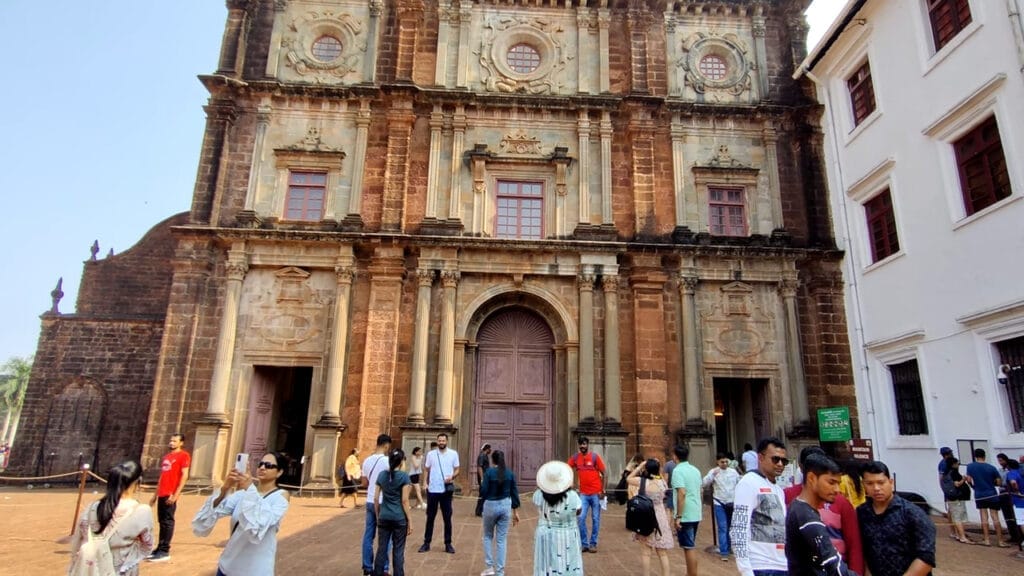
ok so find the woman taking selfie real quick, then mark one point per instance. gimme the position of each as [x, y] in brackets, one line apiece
[118, 518]
[256, 508]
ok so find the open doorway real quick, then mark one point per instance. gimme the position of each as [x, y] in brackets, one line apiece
[741, 413]
[278, 414]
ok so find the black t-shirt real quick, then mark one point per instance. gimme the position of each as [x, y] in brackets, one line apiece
[809, 549]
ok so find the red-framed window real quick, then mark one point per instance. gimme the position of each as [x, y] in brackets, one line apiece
[984, 179]
[520, 209]
[306, 191]
[948, 18]
[882, 226]
[726, 212]
[862, 93]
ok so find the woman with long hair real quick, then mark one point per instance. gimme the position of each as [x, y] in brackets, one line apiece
[556, 544]
[663, 539]
[256, 507]
[350, 478]
[118, 518]
[501, 506]
[392, 508]
[415, 472]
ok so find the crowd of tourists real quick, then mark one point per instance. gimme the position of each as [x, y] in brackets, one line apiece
[773, 516]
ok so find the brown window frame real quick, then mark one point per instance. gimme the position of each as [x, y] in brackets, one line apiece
[881, 220]
[947, 19]
[862, 93]
[519, 198]
[908, 397]
[724, 205]
[981, 164]
[304, 188]
[1011, 357]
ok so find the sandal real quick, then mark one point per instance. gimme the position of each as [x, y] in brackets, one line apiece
[983, 543]
[965, 540]
[1003, 545]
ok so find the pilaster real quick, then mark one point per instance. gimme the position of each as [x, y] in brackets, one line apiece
[446, 349]
[612, 385]
[418, 392]
[797, 384]
[586, 287]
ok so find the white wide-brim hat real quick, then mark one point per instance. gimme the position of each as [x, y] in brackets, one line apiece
[554, 477]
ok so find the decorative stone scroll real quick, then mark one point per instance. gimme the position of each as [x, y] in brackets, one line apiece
[731, 50]
[297, 44]
[521, 144]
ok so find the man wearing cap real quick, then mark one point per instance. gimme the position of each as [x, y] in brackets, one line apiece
[589, 469]
[483, 462]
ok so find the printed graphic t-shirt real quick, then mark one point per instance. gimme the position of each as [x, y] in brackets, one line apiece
[171, 468]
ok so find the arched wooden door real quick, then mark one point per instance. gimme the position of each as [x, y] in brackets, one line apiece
[514, 391]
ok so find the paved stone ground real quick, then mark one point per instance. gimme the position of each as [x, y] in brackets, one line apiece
[318, 538]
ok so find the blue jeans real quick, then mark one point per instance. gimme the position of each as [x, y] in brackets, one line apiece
[369, 531]
[591, 502]
[723, 519]
[497, 518]
[392, 535]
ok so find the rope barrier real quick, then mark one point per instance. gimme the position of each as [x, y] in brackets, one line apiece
[34, 478]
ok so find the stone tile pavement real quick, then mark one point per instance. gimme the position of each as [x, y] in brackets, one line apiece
[319, 538]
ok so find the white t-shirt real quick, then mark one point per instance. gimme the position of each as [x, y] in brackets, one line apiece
[372, 467]
[758, 533]
[440, 465]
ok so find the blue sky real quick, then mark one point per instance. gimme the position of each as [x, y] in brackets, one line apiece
[100, 135]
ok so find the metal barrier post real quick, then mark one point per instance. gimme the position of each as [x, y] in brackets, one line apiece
[78, 505]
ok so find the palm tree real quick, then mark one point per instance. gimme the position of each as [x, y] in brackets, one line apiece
[15, 374]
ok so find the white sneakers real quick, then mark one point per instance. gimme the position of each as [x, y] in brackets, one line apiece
[488, 572]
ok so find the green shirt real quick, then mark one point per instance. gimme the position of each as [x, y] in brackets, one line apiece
[391, 495]
[686, 475]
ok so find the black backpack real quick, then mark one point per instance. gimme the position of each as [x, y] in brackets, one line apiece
[640, 515]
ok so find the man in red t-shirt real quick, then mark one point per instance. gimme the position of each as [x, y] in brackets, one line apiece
[173, 475]
[589, 469]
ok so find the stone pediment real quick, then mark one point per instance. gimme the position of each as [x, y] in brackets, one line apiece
[312, 143]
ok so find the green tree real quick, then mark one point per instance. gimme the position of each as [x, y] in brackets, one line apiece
[14, 375]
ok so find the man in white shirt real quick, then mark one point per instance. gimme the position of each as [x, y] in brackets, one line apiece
[758, 533]
[440, 468]
[372, 467]
[724, 480]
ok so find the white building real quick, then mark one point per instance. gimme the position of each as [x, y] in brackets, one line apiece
[924, 125]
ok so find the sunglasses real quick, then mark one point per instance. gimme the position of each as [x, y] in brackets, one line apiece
[780, 460]
[268, 465]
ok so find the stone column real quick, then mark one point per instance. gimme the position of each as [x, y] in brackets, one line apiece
[209, 458]
[434, 163]
[337, 367]
[612, 385]
[606, 168]
[679, 170]
[372, 34]
[446, 349]
[582, 31]
[761, 51]
[583, 131]
[355, 201]
[798, 387]
[418, 392]
[691, 359]
[236, 267]
[603, 21]
[443, 24]
[586, 285]
[262, 123]
[274, 57]
[458, 148]
[670, 54]
[465, 20]
[229, 48]
[771, 143]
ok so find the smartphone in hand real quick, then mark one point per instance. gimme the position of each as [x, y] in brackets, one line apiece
[242, 463]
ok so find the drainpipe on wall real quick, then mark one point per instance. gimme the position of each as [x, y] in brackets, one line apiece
[1013, 8]
[851, 261]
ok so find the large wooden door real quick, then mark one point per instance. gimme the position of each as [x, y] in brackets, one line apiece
[514, 392]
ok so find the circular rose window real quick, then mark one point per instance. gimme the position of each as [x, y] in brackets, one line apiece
[713, 67]
[523, 58]
[326, 48]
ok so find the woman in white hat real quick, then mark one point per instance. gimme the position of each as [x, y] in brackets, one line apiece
[556, 548]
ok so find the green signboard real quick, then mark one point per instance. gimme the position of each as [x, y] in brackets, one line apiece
[834, 424]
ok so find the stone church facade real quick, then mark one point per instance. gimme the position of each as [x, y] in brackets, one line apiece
[513, 222]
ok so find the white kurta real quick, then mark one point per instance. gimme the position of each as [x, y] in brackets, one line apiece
[252, 548]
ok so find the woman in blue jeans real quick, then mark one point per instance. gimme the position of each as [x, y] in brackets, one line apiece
[501, 506]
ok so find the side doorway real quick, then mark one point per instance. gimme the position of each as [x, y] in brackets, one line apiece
[741, 412]
[277, 416]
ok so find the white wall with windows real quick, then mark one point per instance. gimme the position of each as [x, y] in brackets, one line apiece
[924, 129]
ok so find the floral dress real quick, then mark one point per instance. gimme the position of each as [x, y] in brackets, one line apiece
[655, 490]
[129, 534]
[556, 545]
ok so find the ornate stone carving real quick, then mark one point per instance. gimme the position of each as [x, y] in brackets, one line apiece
[56, 295]
[450, 278]
[586, 280]
[723, 159]
[610, 283]
[291, 313]
[520, 143]
[345, 274]
[736, 326]
[297, 43]
[688, 282]
[424, 277]
[730, 49]
[503, 32]
[376, 7]
[236, 268]
[788, 287]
